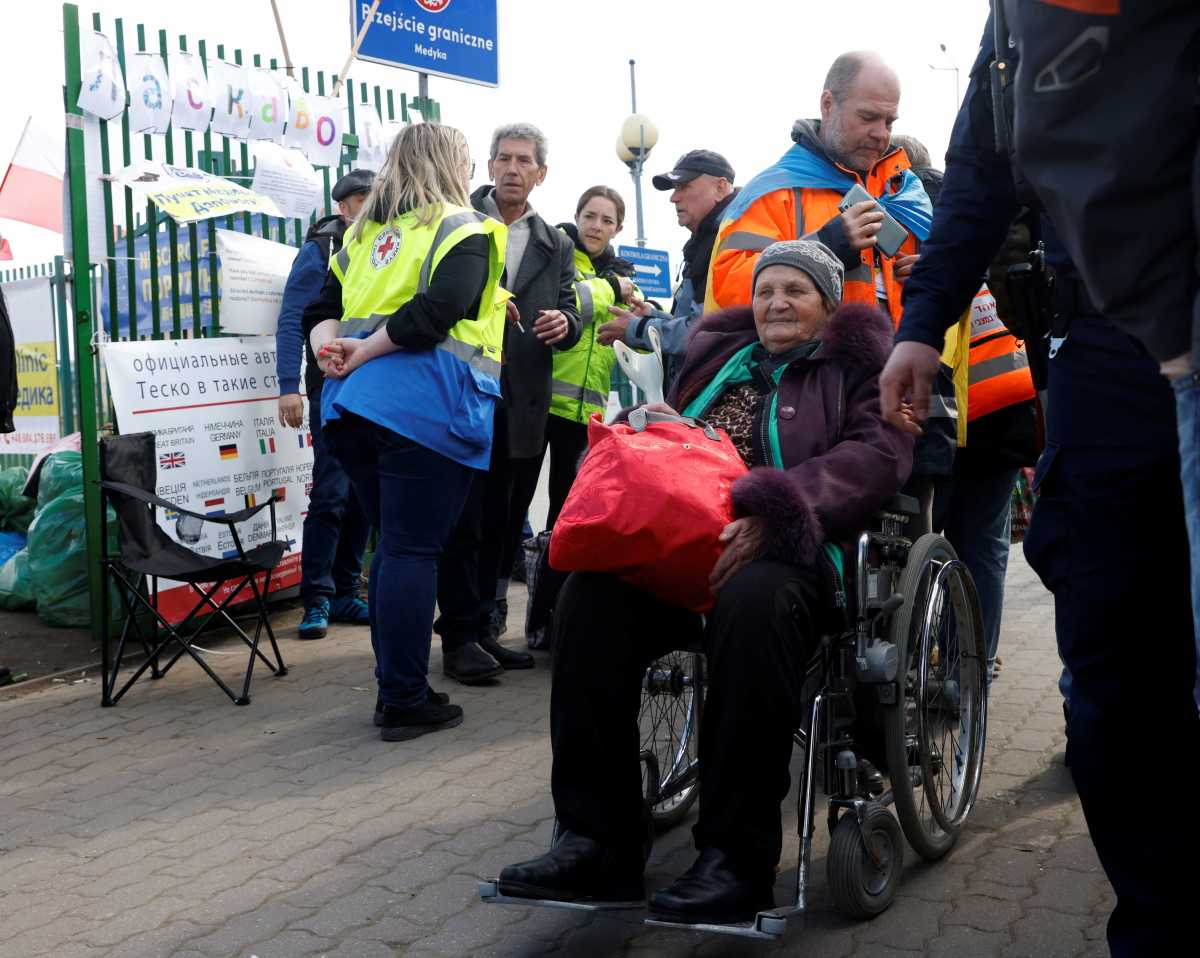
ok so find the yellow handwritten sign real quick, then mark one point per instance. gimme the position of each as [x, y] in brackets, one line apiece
[37, 386]
[188, 195]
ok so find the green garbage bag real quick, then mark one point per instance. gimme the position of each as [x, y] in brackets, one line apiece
[61, 472]
[58, 561]
[16, 589]
[16, 511]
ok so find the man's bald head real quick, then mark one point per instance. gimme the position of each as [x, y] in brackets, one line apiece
[859, 104]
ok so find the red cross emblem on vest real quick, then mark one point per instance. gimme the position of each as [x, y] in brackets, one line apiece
[385, 248]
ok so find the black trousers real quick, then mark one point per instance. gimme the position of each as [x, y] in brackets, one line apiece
[567, 441]
[466, 587]
[758, 640]
[1108, 539]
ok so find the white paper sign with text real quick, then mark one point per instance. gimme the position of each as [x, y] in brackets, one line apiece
[213, 407]
[253, 274]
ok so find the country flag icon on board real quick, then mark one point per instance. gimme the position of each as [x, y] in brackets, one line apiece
[229, 451]
[214, 507]
[266, 445]
[305, 439]
[172, 460]
[251, 500]
[280, 493]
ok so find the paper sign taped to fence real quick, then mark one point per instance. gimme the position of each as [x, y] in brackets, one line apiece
[315, 126]
[253, 274]
[229, 85]
[187, 195]
[102, 84]
[31, 308]
[149, 93]
[269, 104]
[286, 176]
[213, 407]
[192, 106]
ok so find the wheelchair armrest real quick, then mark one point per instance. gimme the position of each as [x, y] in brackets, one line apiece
[150, 498]
[906, 505]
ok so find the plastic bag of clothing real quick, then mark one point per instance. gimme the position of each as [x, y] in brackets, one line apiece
[62, 472]
[58, 561]
[16, 589]
[16, 511]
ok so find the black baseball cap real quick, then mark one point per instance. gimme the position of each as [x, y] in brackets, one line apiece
[691, 165]
[356, 181]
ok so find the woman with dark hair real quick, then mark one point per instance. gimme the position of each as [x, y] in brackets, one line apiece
[582, 374]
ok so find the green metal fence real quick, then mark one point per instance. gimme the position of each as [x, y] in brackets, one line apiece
[87, 291]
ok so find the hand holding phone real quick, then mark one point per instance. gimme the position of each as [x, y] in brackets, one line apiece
[888, 237]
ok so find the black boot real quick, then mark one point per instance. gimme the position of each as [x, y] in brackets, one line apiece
[712, 892]
[469, 664]
[431, 698]
[579, 869]
[508, 658]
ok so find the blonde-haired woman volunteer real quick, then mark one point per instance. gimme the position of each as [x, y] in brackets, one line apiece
[408, 330]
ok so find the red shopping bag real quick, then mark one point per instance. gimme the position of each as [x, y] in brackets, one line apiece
[649, 503]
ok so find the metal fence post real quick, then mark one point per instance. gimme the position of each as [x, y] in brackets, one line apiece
[84, 323]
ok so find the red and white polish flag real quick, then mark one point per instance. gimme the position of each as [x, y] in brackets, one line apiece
[32, 189]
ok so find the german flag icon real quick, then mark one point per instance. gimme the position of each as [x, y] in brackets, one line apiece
[229, 451]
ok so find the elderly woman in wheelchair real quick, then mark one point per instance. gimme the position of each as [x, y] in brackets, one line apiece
[794, 379]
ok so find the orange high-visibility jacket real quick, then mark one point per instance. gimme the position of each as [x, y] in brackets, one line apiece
[998, 371]
[795, 214]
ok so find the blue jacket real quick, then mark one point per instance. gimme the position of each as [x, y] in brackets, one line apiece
[303, 285]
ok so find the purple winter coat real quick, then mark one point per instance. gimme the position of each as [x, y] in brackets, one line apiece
[844, 460]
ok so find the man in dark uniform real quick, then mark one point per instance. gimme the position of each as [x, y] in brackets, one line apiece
[1107, 536]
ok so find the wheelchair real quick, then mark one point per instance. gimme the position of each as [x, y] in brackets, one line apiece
[904, 682]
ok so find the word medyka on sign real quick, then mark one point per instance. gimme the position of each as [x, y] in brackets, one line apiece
[449, 38]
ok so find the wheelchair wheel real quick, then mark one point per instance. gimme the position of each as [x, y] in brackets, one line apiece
[672, 703]
[935, 730]
[864, 862]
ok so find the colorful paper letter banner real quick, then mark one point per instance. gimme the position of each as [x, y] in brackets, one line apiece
[192, 108]
[102, 88]
[229, 85]
[315, 126]
[149, 93]
[268, 105]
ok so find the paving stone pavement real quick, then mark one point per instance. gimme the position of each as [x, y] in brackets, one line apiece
[178, 825]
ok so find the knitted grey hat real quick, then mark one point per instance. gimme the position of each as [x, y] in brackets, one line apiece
[815, 259]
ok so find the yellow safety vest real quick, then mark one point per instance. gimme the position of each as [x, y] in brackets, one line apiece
[582, 375]
[387, 265]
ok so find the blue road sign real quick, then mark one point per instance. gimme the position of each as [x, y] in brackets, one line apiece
[653, 269]
[448, 38]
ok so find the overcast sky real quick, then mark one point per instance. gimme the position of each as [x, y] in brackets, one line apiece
[727, 76]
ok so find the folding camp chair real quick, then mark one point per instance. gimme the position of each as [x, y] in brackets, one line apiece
[128, 470]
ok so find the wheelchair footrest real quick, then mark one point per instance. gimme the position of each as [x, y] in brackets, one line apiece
[489, 892]
[767, 925]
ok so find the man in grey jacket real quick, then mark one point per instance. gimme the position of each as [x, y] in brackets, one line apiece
[701, 186]
[539, 271]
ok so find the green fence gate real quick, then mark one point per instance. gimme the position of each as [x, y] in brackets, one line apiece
[93, 296]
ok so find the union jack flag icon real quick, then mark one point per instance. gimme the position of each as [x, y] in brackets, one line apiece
[172, 460]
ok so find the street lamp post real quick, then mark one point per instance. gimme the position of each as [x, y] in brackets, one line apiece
[954, 67]
[637, 139]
